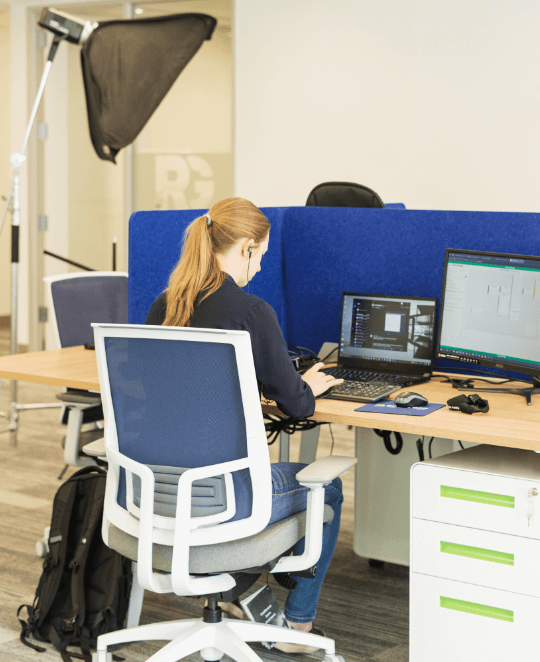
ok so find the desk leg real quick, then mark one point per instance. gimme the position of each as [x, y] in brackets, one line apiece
[308, 445]
[382, 495]
[284, 442]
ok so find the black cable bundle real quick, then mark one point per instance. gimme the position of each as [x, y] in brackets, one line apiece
[385, 434]
[276, 424]
[302, 358]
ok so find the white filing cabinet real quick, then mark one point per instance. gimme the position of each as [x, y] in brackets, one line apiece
[475, 556]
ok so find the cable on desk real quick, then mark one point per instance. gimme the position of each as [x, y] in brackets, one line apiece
[483, 372]
[324, 358]
[303, 358]
[456, 383]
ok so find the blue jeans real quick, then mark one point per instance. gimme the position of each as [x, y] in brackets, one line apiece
[289, 497]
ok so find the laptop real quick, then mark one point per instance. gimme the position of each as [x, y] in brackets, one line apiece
[385, 344]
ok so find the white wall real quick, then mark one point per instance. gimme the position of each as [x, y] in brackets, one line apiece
[432, 103]
[184, 153]
[5, 169]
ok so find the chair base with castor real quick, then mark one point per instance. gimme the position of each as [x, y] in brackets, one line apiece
[214, 636]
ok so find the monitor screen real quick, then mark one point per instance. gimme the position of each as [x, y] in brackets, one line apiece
[490, 310]
[397, 330]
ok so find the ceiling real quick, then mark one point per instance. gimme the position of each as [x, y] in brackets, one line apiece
[219, 9]
[4, 17]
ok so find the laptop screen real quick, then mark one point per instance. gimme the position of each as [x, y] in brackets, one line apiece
[395, 334]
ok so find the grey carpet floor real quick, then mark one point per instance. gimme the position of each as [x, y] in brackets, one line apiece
[363, 608]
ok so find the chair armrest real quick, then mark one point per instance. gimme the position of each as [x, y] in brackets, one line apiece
[95, 448]
[80, 398]
[314, 476]
[324, 471]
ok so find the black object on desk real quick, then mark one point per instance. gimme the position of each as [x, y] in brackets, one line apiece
[469, 404]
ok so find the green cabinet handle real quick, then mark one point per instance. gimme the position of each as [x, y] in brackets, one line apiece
[479, 497]
[478, 609]
[477, 553]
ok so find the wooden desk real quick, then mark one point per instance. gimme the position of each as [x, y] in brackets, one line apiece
[509, 422]
[75, 367]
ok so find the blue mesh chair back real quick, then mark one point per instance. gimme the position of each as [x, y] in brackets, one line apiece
[343, 194]
[82, 300]
[178, 405]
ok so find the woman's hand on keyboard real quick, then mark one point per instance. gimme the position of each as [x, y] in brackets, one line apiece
[319, 381]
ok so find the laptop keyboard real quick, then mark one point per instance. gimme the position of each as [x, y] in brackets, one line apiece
[361, 376]
[362, 391]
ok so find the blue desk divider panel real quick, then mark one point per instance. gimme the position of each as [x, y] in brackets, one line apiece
[316, 253]
[381, 251]
[155, 242]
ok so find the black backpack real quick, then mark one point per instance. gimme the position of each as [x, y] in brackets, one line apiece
[84, 588]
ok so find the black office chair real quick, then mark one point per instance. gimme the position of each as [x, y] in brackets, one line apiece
[343, 194]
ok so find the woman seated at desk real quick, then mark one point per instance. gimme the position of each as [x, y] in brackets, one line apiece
[222, 252]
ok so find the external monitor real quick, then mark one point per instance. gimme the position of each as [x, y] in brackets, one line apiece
[490, 311]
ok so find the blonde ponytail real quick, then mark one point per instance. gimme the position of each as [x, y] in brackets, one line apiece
[207, 236]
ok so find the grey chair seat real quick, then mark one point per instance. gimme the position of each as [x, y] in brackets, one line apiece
[259, 549]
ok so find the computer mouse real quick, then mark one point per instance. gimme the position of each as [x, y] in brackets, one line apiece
[410, 399]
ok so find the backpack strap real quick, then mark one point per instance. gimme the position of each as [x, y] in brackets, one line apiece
[62, 644]
[95, 487]
[53, 564]
[93, 518]
[88, 470]
[27, 628]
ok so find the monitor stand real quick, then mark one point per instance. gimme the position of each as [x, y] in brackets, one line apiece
[526, 392]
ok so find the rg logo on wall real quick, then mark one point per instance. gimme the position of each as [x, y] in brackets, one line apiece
[183, 182]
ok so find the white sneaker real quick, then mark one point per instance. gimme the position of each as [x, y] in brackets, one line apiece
[300, 648]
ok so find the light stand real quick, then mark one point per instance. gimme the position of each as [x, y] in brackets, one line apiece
[172, 41]
[16, 160]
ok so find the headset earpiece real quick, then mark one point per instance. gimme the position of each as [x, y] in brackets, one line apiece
[250, 251]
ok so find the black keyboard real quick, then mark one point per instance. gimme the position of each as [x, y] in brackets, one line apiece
[362, 391]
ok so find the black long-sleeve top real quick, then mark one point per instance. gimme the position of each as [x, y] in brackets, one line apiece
[230, 307]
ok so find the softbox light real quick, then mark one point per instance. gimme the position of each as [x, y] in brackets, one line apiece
[128, 68]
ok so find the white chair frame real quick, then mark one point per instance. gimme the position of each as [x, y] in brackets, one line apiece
[182, 531]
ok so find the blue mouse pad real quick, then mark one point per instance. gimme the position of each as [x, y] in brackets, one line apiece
[388, 407]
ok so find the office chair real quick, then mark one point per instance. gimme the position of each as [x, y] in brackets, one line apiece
[340, 194]
[76, 300]
[343, 194]
[188, 493]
